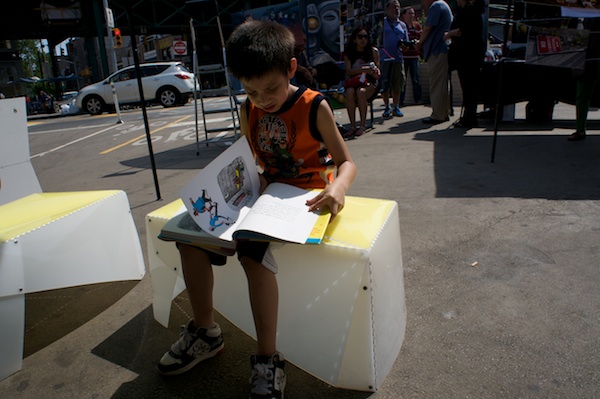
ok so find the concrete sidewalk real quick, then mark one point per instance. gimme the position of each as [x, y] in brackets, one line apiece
[501, 264]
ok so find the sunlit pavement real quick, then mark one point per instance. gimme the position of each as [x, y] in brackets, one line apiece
[500, 264]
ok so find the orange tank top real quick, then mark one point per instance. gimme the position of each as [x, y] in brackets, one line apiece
[288, 145]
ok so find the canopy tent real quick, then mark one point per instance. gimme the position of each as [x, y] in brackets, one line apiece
[573, 8]
[53, 79]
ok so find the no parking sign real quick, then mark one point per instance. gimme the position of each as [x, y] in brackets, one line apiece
[179, 47]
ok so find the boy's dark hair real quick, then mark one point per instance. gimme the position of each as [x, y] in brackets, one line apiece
[256, 48]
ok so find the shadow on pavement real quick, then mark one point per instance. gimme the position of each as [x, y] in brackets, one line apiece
[526, 166]
[139, 344]
[179, 158]
[50, 315]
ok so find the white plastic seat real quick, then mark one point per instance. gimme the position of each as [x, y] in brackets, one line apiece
[342, 311]
[52, 240]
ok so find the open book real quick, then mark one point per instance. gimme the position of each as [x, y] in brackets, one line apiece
[224, 202]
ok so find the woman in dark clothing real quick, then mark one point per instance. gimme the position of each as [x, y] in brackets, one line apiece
[466, 55]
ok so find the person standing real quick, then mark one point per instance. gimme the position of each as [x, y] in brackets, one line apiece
[411, 55]
[466, 55]
[586, 84]
[393, 77]
[435, 53]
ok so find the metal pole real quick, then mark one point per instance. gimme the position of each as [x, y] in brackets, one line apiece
[232, 104]
[506, 29]
[138, 72]
[111, 39]
[195, 67]
[499, 108]
[219, 25]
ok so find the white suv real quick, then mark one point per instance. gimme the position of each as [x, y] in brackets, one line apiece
[168, 83]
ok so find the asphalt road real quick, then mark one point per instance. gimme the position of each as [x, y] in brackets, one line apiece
[501, 260]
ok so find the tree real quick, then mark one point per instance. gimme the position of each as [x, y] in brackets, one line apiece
[32, 58]
[30, 53]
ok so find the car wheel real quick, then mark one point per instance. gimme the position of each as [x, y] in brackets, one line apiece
[169, 97]
[94, 105]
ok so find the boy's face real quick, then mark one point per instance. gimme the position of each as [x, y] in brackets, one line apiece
[270, 91]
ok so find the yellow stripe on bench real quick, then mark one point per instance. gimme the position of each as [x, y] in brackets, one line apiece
[29, 213]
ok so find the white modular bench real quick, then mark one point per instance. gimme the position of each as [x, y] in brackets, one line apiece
[342, 311]
[52, 240]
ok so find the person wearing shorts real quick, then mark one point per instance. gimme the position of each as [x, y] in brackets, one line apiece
[288, 128]
[393, 78]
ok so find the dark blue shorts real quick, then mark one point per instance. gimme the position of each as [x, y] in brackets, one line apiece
[255, 250]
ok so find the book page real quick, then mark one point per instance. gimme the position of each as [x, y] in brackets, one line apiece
[218, 195]
[281, 212]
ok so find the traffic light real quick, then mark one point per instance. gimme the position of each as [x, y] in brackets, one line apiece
[118, 38]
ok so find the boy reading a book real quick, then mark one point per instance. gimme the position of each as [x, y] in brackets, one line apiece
[293, 135]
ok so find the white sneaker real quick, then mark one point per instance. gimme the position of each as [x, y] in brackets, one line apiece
[193, 346]
[268, 378]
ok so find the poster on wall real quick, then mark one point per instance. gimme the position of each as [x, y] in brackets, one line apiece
[558, 47]
[322, 26]
[287, 14]
[365, 13]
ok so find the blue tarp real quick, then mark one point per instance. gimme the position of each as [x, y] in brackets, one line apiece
[51, 79]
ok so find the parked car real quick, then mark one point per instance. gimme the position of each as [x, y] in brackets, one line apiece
[167, 83]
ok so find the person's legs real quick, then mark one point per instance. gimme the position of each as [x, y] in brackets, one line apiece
[398, 85]
[414, 76]
[468, 75]
[586, 85]
[385, 96]
[264, 299]
[268, 377]
[438, 86]
[406, 72]
[411, 67]
[199, 280]
[351, 106]
[386, 76]
[201, 338]
[363, 94]
[582, 104]
[361, 97]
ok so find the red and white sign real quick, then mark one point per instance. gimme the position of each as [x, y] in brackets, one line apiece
[548, 44]
[179, 47]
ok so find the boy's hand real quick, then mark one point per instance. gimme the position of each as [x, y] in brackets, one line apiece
[332, 196]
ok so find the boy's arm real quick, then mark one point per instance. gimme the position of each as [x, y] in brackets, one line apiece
[334, 194]
[245, 130]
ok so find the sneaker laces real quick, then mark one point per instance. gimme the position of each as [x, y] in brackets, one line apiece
[261, 379]
[182, 344]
